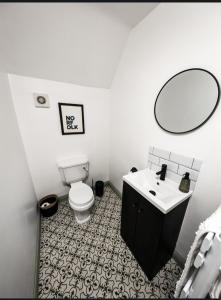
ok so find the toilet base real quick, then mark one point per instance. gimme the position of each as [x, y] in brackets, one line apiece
[82, 216]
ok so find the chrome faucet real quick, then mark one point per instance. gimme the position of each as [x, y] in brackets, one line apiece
[162, 172]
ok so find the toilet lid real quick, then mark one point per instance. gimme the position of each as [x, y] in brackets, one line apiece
[80, 194]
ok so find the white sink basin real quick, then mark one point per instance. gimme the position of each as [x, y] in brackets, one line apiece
[167, 195]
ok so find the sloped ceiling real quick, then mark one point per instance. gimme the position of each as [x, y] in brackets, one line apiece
[79, 43]
[128, 13]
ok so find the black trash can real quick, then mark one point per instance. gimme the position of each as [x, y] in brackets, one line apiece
[48, 205]
[99, 188]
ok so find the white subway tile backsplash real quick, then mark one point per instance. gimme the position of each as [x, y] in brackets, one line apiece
[149, 163]
[151, 149]
[171, 166]
[161, 153]
[197, 164]
[177, 165]
[193, 174]
[155, 168]
[173, 176]
[192, 185]
[154, 159]
[180, 159]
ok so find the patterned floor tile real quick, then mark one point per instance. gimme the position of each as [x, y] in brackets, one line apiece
[92, 260]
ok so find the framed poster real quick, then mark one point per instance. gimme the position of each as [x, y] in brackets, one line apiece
[71, 118]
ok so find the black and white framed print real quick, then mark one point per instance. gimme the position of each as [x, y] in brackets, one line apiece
[72, 118]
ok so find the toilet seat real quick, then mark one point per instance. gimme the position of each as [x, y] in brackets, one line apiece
[80, 196]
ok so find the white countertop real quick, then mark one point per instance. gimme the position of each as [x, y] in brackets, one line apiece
[168, 195]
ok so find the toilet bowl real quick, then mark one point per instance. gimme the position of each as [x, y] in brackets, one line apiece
[81, 199]
[74, 171]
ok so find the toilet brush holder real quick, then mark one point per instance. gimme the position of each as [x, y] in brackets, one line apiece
[99, 188]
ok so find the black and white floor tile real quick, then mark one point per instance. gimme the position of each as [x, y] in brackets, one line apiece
[92, 260]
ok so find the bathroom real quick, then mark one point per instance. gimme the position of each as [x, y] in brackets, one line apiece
[112, 58]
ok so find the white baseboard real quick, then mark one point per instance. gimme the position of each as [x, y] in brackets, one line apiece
[115, 189]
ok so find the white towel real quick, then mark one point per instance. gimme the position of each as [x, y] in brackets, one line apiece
[215, 291]
[211, 224]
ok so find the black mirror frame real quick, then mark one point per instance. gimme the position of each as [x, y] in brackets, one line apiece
[215, 107]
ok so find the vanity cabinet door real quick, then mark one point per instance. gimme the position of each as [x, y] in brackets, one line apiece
[129, 215]
[148, 230]
[150, 235]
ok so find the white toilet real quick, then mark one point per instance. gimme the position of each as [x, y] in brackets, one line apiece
[73, 171]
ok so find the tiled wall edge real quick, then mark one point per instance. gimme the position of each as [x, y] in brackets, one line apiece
[177, 164]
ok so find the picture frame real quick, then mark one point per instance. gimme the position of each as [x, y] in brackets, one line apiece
[71, 118]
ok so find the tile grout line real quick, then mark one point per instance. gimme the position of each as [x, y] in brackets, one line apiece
[192, 163]
[175, 162]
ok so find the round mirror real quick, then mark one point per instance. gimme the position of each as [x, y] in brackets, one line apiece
[187, 100]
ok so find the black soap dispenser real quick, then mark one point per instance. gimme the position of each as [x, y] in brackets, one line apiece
[185, 183]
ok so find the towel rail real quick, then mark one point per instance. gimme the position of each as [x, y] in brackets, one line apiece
[207, 267]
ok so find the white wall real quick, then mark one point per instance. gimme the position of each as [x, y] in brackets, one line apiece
[70, 42]
[174, 37]
[41, 132]
[18, 213]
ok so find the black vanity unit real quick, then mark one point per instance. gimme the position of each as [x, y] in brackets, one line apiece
[150, 234]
